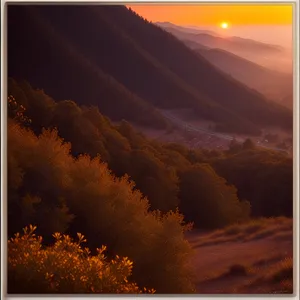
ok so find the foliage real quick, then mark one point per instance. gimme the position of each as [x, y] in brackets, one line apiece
[248, 144]
[64, 194]
[208, 200]
[157, 181]
[36, 175]
[16, 111]
[65, 267]
[263, 177]
[38, 105]
[234, 147]
[125, 151]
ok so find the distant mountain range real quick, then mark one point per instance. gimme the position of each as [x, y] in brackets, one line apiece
[275, 85]
[110, 57]
[270, 56]
[186, 29]
[213, 40]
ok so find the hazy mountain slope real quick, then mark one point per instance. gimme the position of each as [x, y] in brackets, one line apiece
[236, 44]
[213, 40]
[194, 45]
[163, 70]
[270, 56]
[273, 84]
[288, 100]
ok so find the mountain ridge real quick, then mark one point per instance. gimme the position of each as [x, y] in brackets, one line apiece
[210, 33]
[183, 79]
[274, 84]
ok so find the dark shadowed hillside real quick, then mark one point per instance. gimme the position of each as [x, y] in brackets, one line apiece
[86, 52]
[37, 51]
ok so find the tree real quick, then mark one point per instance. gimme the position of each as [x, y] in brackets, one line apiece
[207, 200]
[263, 177]
[248, 144]
[16, 111]
[57, 192]
[37, 169]
[234, 146]
[157, 181]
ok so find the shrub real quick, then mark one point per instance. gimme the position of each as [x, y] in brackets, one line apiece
[16, 111]
[207, 200]
[115, 213]
[125, 151]
[71, 195]
[263, 177]
[64, 267]
[37, 173]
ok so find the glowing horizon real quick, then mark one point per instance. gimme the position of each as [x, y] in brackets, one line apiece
[224, 25]
[202, 15]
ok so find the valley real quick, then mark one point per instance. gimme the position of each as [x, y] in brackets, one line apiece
[197, 134]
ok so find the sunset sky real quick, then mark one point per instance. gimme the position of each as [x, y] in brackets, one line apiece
[267, 23]
[190, 14]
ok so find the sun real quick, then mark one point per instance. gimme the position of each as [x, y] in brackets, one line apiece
[224, 25]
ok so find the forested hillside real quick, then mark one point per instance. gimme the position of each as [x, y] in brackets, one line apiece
[70, 170]
[113, 58]
[164, 166]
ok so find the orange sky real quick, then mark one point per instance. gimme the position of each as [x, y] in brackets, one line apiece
[195, 14]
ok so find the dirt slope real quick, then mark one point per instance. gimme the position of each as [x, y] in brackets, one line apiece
[258, 257]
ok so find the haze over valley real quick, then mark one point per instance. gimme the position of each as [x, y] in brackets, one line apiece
[265, 67]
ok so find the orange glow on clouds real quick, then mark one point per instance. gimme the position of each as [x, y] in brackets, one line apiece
[236, 14]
